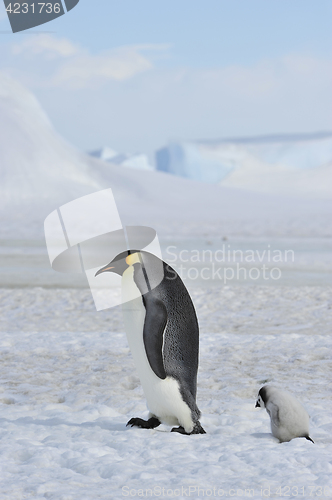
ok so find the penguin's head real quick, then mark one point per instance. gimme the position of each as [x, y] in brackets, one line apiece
[121, 262]
[262, 398]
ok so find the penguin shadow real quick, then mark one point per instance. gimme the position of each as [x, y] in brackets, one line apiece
[55, 421]
[101, 424]
[263, 435]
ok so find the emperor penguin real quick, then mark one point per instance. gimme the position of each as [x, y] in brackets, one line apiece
[288, 417]
[163, 336]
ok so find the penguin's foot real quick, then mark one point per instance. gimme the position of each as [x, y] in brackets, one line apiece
[180, 430]
[144, 424]
[198, 429]
[309, 439]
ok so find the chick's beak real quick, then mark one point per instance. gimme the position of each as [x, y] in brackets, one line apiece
[103, 269]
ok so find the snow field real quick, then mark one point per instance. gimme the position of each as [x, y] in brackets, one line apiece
[66, 395]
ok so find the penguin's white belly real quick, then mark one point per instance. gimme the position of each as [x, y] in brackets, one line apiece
[163, 396]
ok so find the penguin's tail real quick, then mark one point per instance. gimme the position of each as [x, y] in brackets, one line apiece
[309, 439]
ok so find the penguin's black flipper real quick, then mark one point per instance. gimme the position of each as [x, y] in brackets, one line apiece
[144, 424]
[309, 439]
[153, 333]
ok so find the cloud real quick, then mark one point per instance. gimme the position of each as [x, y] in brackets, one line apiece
[47, 61]
[264, 80]
[289, 94]
[86, 70]
[46, 46]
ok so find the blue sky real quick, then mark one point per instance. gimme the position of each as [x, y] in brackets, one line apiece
[134, 74]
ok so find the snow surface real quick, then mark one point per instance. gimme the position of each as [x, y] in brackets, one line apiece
[68, 387]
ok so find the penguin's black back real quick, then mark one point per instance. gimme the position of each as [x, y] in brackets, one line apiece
[181, 335]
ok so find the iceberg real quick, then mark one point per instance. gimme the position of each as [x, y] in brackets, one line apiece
[139, 161]
[227, 161]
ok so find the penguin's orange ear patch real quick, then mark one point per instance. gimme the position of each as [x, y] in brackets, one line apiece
[132, 259]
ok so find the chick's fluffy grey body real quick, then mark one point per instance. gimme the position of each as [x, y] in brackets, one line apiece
[289, 419]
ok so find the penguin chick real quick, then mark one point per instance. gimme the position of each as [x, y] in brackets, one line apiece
[163, 336]
[288, 417]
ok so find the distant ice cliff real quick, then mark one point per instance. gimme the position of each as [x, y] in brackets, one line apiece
[240, 161]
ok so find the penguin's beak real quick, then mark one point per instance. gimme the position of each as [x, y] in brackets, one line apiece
[257, 405]
[103, 269]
